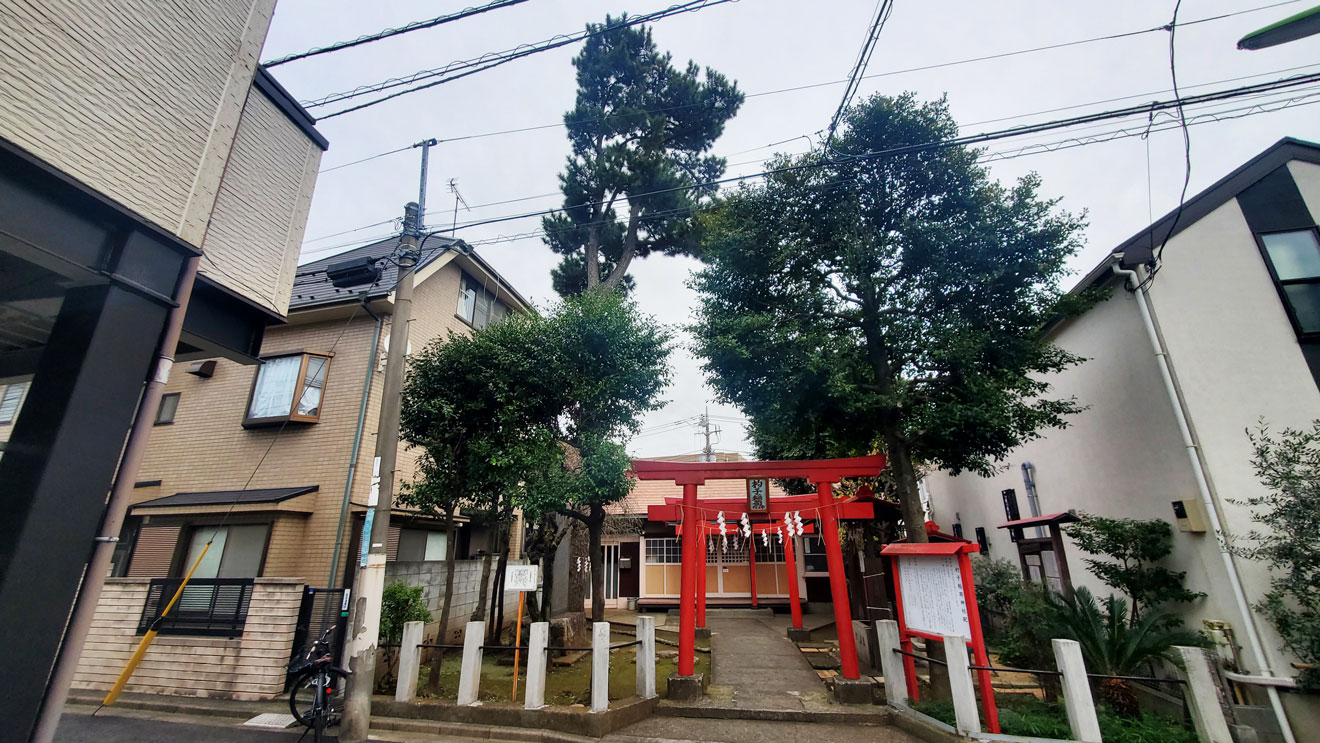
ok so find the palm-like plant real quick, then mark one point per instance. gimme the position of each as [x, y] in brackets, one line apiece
[1113, 647]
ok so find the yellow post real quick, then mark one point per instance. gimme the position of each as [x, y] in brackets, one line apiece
[133, 662]
[517, 642]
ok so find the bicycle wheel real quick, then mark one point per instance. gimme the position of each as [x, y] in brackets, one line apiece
[302, 697]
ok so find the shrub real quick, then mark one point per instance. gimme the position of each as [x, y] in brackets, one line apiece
[1289, 467]
[1134, 550]
[1020, 615]
[399, 604]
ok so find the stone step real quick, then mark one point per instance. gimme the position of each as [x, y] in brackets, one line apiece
[766, 613]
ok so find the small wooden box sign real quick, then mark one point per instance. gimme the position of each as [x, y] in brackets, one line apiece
[758, 495]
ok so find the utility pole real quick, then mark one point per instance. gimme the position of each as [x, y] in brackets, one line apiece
[426, 145]
[703, 420]
[364, 634]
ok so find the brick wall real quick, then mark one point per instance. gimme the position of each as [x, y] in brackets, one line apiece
[249, 667]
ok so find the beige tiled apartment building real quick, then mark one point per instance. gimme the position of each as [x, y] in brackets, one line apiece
[321, 378]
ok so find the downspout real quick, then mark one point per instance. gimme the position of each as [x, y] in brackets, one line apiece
[357, 442]
[1207, 500]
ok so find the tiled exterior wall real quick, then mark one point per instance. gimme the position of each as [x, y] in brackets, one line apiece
[139, 100]
[249, 667]
[261, 210]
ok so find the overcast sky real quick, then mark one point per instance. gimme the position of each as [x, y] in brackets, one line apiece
[769, 45]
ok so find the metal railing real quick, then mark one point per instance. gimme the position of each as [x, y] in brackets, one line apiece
[208, 606]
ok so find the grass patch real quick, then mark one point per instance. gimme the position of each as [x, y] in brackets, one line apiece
[564, 685]
[1028, 716]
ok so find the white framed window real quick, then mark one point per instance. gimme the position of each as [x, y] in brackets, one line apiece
[477, 306]
[11, 401]
[664, 552]
[288, 388]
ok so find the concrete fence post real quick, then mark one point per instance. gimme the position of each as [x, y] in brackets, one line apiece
[469, 677]
[1076, 686]
[410, 661]
[646, 657]
[538, 639]
[600, 666]
[1202, 696]
[891, 663]
[960, 685]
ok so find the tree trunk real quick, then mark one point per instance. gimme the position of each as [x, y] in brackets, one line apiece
[548, 579]
[483, 590]
[499, 580]
[594, 528]
[629, 248]
[905, 479]
[591, 263]
[442, 634]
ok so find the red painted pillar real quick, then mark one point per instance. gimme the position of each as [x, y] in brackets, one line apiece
[829, 522]
[978, 645]
[701, 576]
[790, 567]
[751, 566]
[687, 603]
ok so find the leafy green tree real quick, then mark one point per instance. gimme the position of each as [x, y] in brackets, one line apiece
[611, 365]
[640, 126]
[1288, 538]
[400, 603]
[483, 416]
[1134, 550]
[1112, 646]
[888, 302]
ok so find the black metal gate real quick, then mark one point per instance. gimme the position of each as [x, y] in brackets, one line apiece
[321, 608]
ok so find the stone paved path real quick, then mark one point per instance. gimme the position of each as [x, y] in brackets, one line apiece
[756, 666]
[683, 729]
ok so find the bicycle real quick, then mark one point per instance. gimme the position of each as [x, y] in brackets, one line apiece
[316, 698]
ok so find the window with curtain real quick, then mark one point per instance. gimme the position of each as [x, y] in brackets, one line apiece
[288, 388]
[477, 306]
[11, 400]
[1294, 258]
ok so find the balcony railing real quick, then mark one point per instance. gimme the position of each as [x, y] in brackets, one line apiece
[209, 606]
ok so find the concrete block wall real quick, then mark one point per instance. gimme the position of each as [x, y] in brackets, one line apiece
[467, 580]
[249, 667]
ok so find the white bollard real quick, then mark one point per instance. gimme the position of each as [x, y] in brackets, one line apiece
[410, 661]
[646, 657]
[960, 685]
[1076, 691]
[891, 663]
[538, 639]
[1202, 696]
[469, 677]
[600, 666]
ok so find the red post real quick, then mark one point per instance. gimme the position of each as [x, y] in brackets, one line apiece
[829, 522]
[701, 578]
[687, 628]
[790, 567]
[751, 566]
[978, 644]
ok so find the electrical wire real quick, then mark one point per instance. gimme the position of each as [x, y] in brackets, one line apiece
[390, 32]
[1156, 254]
[363, 160]
[459, 70]
[809, 86]
[883, 9]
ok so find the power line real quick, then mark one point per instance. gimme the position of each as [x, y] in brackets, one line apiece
[363, 160]
[882, 10]
[389, 32]
[939, 65]
[490, 61]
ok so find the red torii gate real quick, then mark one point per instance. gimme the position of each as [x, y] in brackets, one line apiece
[711, 529]
[823, 473]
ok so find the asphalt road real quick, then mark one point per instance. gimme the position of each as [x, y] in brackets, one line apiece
[103, 728]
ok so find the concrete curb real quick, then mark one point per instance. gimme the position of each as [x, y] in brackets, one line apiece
[881, 716]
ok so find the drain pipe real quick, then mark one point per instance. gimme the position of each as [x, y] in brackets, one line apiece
[357, 443]
[1207, 500]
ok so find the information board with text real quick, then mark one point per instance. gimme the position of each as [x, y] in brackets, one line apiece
[933, 600]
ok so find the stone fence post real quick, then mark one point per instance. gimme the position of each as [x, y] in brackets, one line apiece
[600, 666]
[1076, 686]
[469, 678]
[891, 663]
[410, 661]
[538, 639]
[646, 657]
[1203, 696]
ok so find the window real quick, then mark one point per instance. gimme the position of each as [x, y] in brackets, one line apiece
[663, 552]
[476, 306]
[417, 545]
[236, 551]
[11, 400]
[169, 405]
[1294, 259]
[773, 553]
[288, 388]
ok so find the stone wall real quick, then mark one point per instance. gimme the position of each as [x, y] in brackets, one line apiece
[248, 667]
[467, 579]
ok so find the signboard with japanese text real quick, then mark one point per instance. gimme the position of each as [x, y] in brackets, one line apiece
[933, 599]
[521, 577]
[758, 495]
